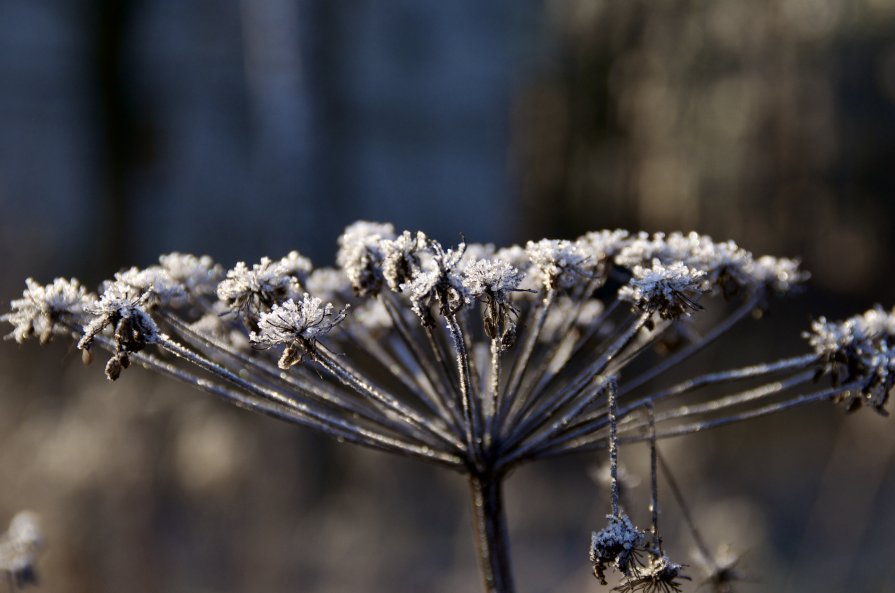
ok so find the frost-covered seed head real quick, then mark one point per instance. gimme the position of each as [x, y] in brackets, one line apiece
[438, 284]
[660, 575]
[199, 275]
[671, 290]
[360, 255]
[254, 291]
[155, 282]
[123, 308]
[857, 349]
[619, 544]
[604, 245]
[560, 264]
[297, 326]
[491, 279]
[39, 310]
[401, 258]
[778, 274]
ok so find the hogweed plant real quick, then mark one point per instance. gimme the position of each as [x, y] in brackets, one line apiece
[479, 359]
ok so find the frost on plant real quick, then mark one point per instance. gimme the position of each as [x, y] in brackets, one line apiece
[478, 358]
[297, 326]
[20, 546]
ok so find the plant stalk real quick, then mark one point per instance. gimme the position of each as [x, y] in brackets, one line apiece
[491, 539]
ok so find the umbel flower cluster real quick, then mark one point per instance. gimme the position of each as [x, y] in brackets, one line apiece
[475, 357]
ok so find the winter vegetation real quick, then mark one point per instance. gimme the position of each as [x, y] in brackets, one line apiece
[479, 359]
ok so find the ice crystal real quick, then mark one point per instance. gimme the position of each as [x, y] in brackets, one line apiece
[154, 281]
[41, 307]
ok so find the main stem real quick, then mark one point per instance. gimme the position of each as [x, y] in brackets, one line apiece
[491, 539]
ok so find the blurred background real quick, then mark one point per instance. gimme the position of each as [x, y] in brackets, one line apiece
[242, 128]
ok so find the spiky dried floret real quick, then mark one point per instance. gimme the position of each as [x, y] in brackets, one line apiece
[153, 281]
[604, 245]
[401, 257]
[857, 350]
[199, 275]
[254, 291]
[360, 255]
[726, 265]
[437, 284]
[297, 326]
[19, 548]
[660, 575]
[670, 290]
[620, 544]
[779, 274]
[122, 307]
[491, 279]
[41, 307]
[560, 264]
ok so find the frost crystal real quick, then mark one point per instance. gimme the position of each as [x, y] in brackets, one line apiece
[122, 308]
[618, 544]
[561, 264]
[198, 275]
[360, 255]
[40, 308]
[297, 325]
[604, 245]
[670, 290]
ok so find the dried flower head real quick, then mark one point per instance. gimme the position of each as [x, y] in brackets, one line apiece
[122, 308]
[297, 326]
[360, 255]
[41, 308]
[620, 544]
[401, 258]
[660, 575]
[254, 291]
[198, 275]
[670, 290]
[560, 264]
[857, 350]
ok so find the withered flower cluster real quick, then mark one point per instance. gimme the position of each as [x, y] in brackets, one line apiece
[474, 357]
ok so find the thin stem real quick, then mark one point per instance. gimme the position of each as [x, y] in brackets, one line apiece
[491, 539]
[685, 509]
[613, 454]
[654, 480]
[470, 412]
[688, 351]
